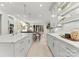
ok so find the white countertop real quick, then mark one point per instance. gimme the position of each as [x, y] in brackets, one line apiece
[74, 43]
[12, 39]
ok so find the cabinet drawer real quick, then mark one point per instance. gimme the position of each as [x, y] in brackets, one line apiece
[70, 50]
[70, 54]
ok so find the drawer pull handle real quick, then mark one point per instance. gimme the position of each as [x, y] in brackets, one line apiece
[53, 44]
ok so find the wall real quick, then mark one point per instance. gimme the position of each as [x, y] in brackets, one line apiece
[4, 24]
[0, 24]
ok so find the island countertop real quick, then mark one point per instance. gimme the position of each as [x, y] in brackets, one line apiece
[74, 43]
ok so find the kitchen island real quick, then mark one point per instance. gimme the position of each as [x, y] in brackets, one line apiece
[15, 45]
[62, 47]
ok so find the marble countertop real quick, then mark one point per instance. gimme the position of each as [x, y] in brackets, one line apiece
[74, 43]
[11, 38]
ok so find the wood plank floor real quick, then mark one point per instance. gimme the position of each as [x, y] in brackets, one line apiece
[40, 49]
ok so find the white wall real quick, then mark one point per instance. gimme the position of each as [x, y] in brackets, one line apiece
[0, 24]
[4, 24]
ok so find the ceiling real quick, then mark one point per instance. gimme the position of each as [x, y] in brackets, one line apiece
[28, 11]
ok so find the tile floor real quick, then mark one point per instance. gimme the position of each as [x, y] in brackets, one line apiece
[40, 49]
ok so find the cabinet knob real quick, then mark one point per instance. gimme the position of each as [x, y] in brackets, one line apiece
[53, 44]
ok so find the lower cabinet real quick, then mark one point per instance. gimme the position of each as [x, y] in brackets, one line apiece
[6, 50]
[22, 46]
[60, 48]
[19, 48]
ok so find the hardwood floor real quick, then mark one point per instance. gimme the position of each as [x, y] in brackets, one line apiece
[40, 49]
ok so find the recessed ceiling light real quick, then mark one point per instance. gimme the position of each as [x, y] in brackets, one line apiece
[59, 9]
[53, 15]
[1, 4]
[40, 15]
[41, 5]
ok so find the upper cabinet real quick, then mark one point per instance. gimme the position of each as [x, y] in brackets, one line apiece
[65, 12]
[68, 11]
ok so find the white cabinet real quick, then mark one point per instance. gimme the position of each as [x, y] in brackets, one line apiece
[49, 41]
[22, 46]
[16, 48]
[71, 51]
[53, 45]
[28, 42]
[56, 48]
[61, 48]
[6, 49]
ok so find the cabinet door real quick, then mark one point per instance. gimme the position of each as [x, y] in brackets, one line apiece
[52, 43]
[20, 48]
[56, 48]
[59, 50]
[28, 43]
[6, 50]
[62, 51]
[49, 41]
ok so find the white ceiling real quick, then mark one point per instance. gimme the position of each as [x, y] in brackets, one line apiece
[32, 11]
